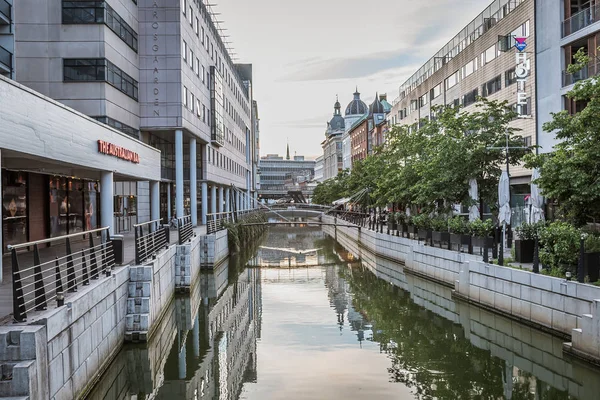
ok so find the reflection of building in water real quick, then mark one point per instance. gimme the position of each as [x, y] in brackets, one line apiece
[227, 331]
[340, 298]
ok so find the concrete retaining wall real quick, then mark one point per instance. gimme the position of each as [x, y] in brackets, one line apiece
[565, 308]
[214, 249]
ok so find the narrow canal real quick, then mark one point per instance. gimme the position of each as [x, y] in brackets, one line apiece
[299, 318]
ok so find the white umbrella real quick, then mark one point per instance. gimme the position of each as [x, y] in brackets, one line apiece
[473, 193]
[504, 199]
[536, 199]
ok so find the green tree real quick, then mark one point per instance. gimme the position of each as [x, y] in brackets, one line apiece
[571, 173]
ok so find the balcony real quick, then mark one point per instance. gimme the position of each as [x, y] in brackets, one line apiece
[5, 13]
[592, 69]
[5, 61]
[580, 20]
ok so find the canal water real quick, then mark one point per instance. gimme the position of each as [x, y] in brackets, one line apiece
[299, 317]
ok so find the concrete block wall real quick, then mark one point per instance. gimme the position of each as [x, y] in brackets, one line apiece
[23, 356]
[187, 263]
[84, 335]
[150, 289]
[214, 249]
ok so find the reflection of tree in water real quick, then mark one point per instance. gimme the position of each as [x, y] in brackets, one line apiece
[428, 353]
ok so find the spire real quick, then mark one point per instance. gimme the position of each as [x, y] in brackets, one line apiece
[287, 157]
[337, 106]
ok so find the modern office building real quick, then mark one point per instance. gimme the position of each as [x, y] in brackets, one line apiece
[155, 70]
[279, 176]
[563, 28]
[481, 60]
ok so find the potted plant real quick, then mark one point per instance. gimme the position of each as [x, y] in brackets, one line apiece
[392, 223]
[524, 245]
[411, 228]
[423, 224]
[591, 257]
[481, 231]
[440, 234]
[459, 233]
[401, 222]
[560, 247]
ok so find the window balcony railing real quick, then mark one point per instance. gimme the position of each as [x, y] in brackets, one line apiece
[580, 20]
[5, 12]
[5, 60]
[592, 69]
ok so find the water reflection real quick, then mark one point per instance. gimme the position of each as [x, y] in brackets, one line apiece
[338, 331]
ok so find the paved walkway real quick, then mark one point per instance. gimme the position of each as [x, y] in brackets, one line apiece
[49, 253]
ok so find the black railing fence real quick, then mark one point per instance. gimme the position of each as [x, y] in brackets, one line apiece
[40, 276]
[215, 222]
[185, 228]
[150, 237]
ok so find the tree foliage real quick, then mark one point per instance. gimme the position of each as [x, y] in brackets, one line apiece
[571, 173]
[430, 167]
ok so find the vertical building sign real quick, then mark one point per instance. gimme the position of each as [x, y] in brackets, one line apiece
[155, 65]
[521, 73]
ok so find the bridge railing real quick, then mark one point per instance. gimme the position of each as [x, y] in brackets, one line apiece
[185, 228]
[150, 237]
[41, 277]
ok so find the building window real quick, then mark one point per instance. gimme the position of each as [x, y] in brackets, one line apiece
[99, 12]
[489, 55]
[191, 59]
[492, 86]
[469, 98]
[192, 102]
[202, 34]
[423, 100]
[99, 69]
[119, 126]
[184, 50]
[414, 104]
[451, 81]
[203, 74]
[510, 77]
[196, 25]
[523, 110]
[527, 141]
[191, 16]
[185, 96]
[436, 91]
[469, 68]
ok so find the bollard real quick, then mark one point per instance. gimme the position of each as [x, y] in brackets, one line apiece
[580, 265]
[60, 299]
[486, 258]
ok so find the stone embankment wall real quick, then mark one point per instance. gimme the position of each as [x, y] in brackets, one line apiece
[565, 308]
[60, 352]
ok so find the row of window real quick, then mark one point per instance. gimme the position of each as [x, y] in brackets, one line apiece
[222, 161]
[485, 21]
[205, 40]
[99, 12]
[99, 70]
[194, 104]
[119, 126]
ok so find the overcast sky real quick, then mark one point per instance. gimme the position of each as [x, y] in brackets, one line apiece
[305, 52]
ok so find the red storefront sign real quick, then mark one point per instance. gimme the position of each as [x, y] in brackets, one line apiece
[118, 151]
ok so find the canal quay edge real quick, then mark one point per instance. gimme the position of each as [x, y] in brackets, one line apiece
[567, 309]
[60, 353]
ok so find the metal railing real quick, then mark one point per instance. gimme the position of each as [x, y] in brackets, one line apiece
[592, 69]
[185, 228]
[6, 58]
[150, 237]
[215, 222]
[5, 9]
[580, 20]
[43, 281]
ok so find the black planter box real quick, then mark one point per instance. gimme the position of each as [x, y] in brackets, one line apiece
[424, 234]
[591, 263]
[440, 237]
[392, 226]
[483, 242]
[524, 250]
[412, 230]
[462, 240]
